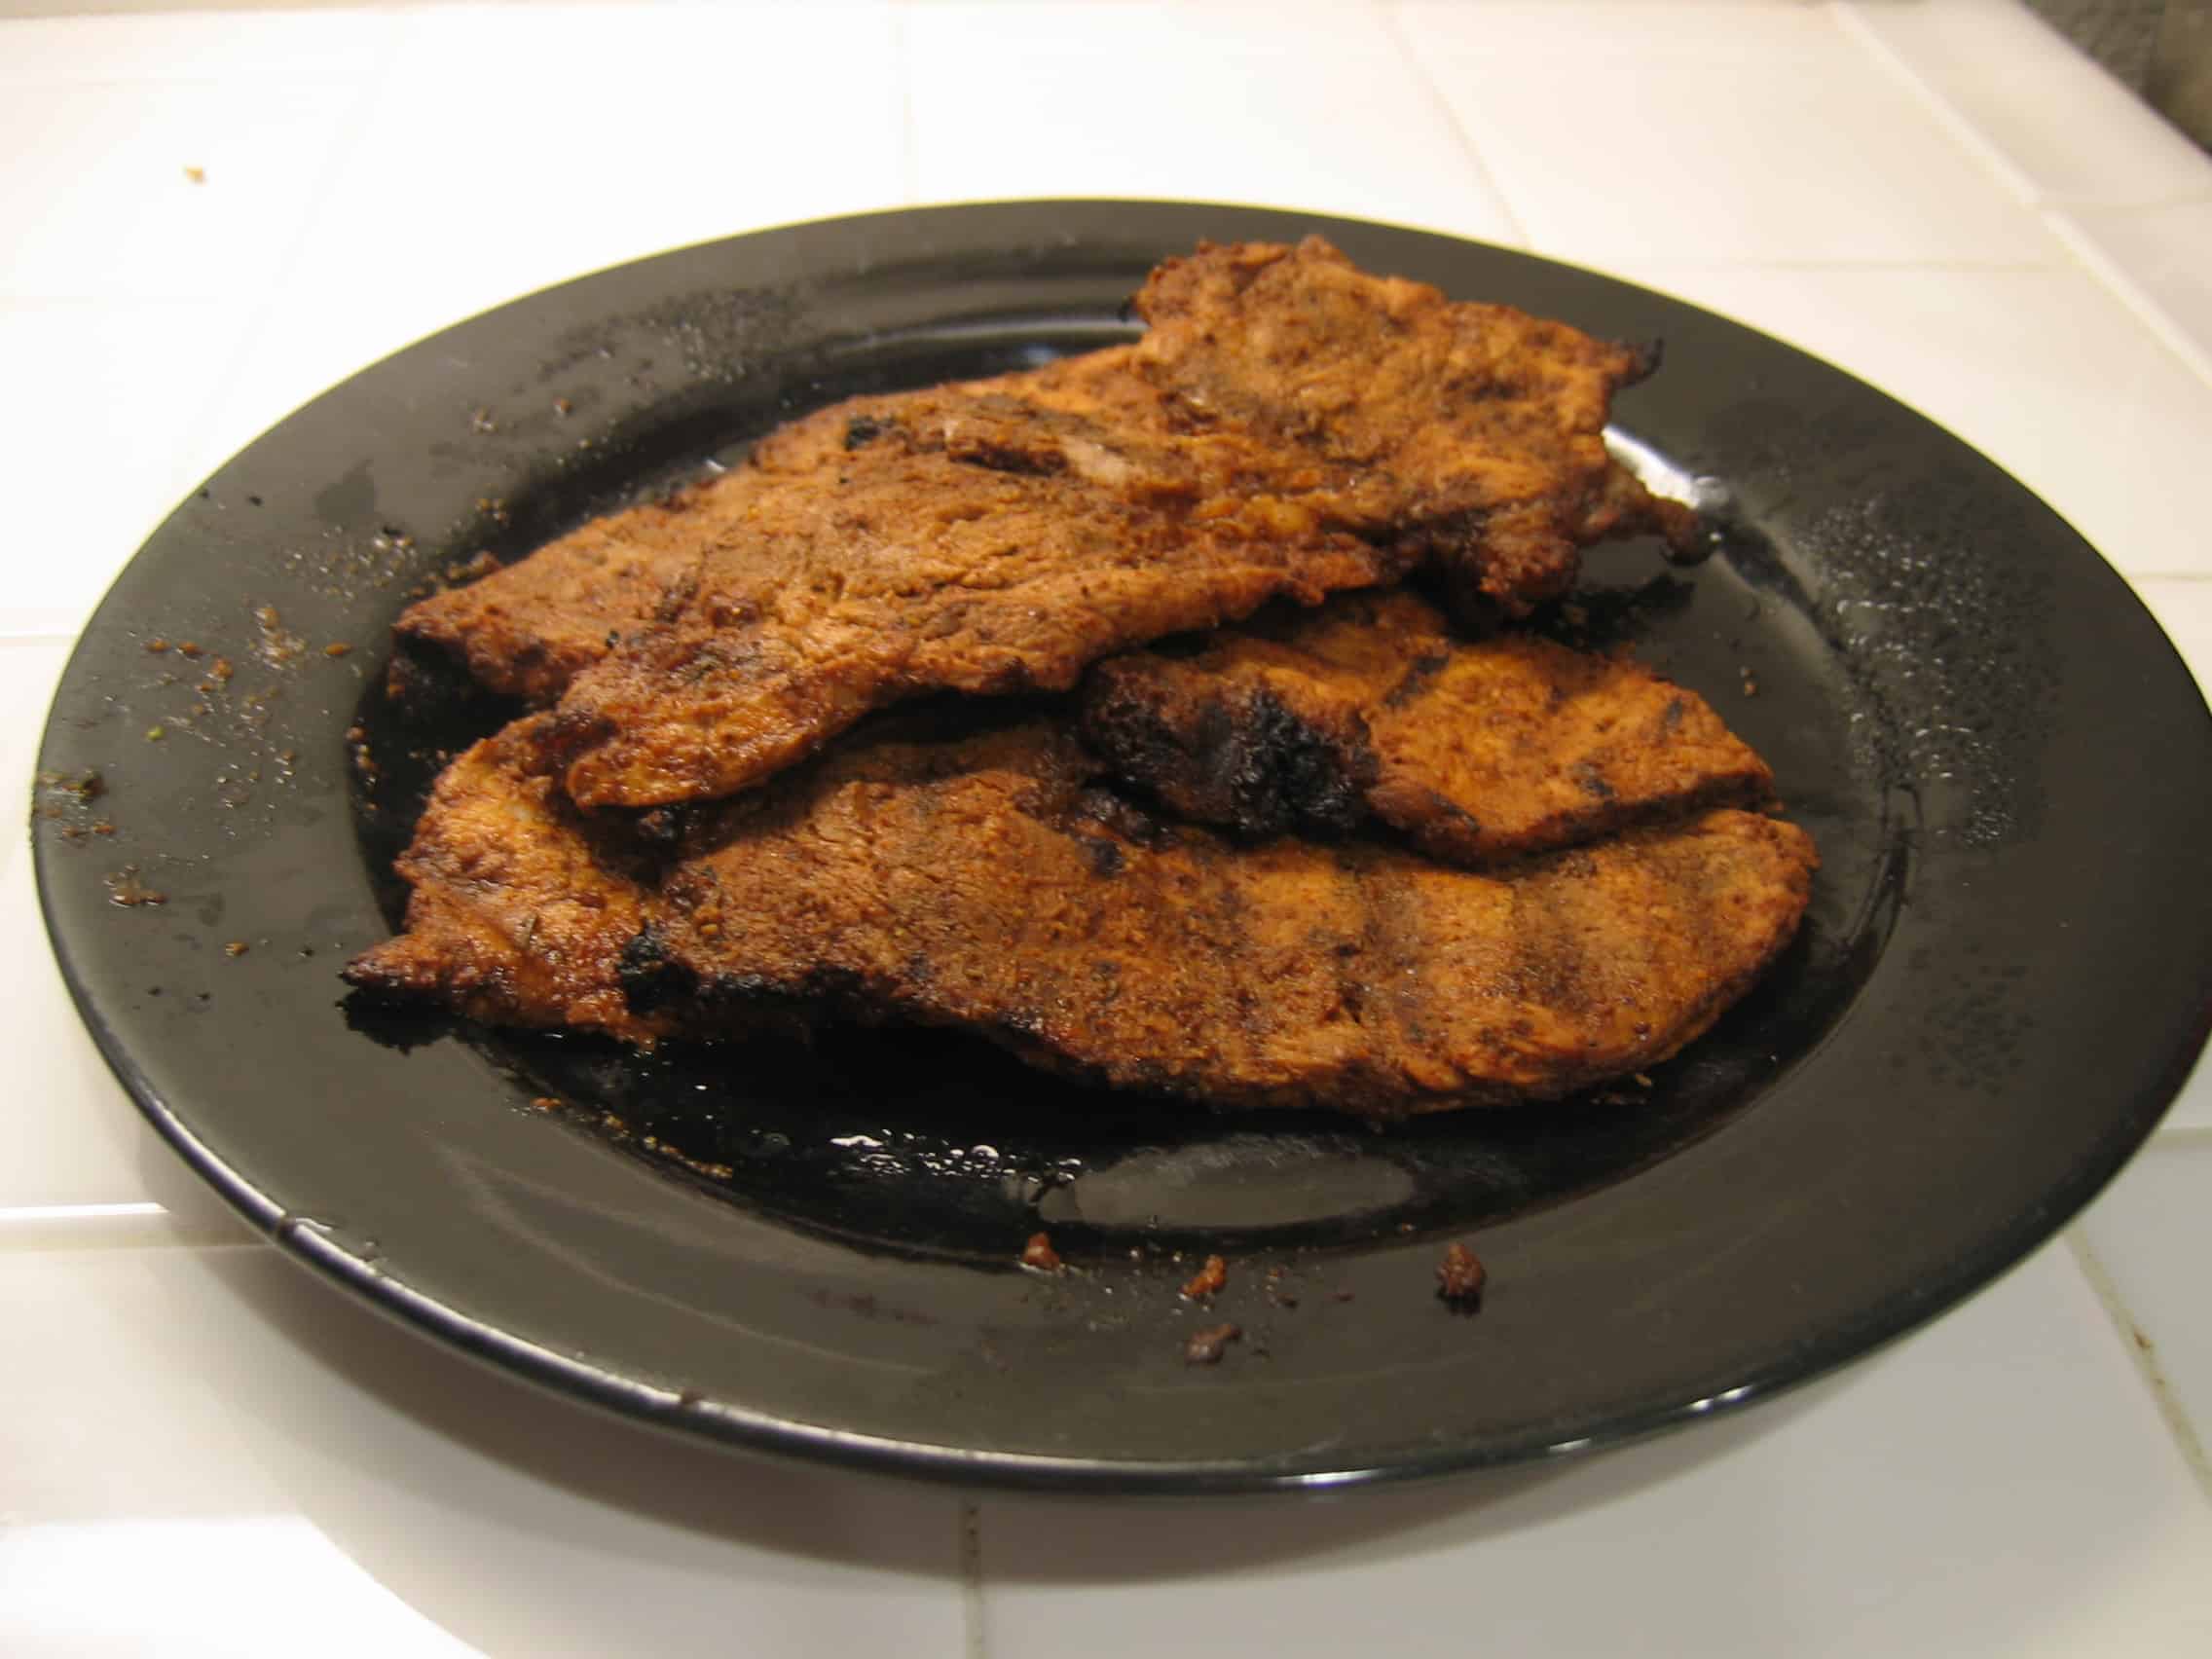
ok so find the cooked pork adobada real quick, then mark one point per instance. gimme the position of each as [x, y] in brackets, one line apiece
[521, 907]
[989, 883]
[1481, 751]
[1000, 537]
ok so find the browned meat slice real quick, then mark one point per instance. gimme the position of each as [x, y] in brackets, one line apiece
[988, 883]
[521, 908]
[1480, 752]
[1000, 535]
[1475, 432]
[927, 562]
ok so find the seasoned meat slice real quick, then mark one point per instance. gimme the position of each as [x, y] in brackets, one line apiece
[1480, 752]
[1001, 534]
[999, 558]
[529, 628]
[989, 883]
[1474, 432]
[522, 908]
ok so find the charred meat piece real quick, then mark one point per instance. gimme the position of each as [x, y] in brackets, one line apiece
[1000, 535]
[1475, 432]
[1480, 752]
[989, 883]
[522, 909]
[529, 628]
[999, 555]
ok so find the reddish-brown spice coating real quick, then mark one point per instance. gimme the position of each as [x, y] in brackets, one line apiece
[986, 881]
[1291, 426]
[1482, 752]
[1039, 1253]
[1460, 1275]
[1208, 1279]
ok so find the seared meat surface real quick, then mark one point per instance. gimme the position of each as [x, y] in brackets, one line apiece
[665, 849]
[1472, 432]
[988, 882]
[1480, 752]
[521, 907]
[1000, 535]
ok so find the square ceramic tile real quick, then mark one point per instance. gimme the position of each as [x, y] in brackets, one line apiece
[740, 50]
[225, 1405]
[2165, 254]
[2069, 131]
[155, 190]
[81, 1161]
[2044, 372]
[1507, 31]
[105, 400]
[514, 148]
[1824, 157]
[2000, 1485]
[1122, 29]
[1327, 116]
[2151, 1234]
[314, 44]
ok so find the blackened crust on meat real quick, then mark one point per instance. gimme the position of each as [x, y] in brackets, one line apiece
[1247, 761]
[1482, 752]
[1289, 427]
[984, 882]
[964, 884]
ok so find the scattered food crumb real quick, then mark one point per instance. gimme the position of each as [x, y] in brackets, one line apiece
[1208, 1279]
[220, 670]
[126, 889]
[1750, 682]
[546, 1103]
[480, 420]
[1207, 1346]
[563, 406]
[157, 645]
[155, 734]
[1340, 1295]
[1643, 1079]
[237, 948]
[197, 175]
[1460, 1275]
[103, 827]
[1039, 1253]
[336, 649]
[189, 649]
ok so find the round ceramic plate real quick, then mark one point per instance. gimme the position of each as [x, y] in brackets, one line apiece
[1999, 989]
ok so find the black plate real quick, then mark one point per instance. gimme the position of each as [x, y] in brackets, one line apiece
[2002, 984]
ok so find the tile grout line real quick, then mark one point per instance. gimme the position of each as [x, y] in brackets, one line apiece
[2144, 1354]
[2109, 274]
[1394, 27]
[1953, 119]
[2054, 216]
[970, 1521]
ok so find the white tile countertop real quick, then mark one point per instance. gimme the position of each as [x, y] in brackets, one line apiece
[208, 217]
